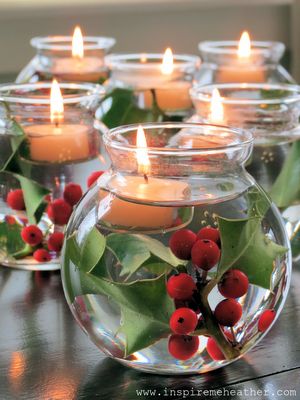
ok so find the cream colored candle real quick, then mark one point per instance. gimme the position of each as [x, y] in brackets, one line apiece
[172, 92]
[135, 189]
[78, 67]
[87, 69]
[65, 143]
[58, 142]
[244, 69]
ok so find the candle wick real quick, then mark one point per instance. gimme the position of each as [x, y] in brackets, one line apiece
[146, 178]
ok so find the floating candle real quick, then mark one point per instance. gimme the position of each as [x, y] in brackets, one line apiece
[244, 68]
[58, 142]
[127, 211]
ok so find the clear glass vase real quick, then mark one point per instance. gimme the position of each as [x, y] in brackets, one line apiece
[221, 63]
[39, 158]
[272, 113]
[54, 59]
[151, 249]
[153, 86]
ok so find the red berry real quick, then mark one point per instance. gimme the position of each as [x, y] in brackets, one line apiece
[234, 284]
[228, 312]
[213, 349]
[183, 347]
[93, 177]
[59, 211]
[55, 241]
[41, 255]
[72, 193]
[10, 220]
[205, 254]
[32, 235]
[181, 243]
[265, 320]
[15, 199]
[183, 321]
[181, 286]
[209, 233]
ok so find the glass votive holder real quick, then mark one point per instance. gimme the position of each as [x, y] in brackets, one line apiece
[46, 158]
[54, 59]
[155, 79]
[271, 112]
[221, 63]
[134, 271]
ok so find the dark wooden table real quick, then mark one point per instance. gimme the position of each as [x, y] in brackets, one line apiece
[44, 355]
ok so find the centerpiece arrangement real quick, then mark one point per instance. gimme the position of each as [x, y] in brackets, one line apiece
[176, 261]
[48, 146]
[68, 58]
[245, 61]
[148, 87]
[272, 113]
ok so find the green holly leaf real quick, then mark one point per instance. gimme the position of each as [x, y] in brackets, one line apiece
[132, 251]
[286, 188]
[119, 107]
[258, 202]
[145, 307]
[245, 247]
[10, 237]
[92, 250]
[34, 193]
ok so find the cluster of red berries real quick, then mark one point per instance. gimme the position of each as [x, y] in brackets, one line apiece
[33, 236]
[184, 320]
[202, 248]
[58, 210]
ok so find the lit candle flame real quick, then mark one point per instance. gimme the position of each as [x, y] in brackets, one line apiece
[244, 50]
[56, 103]
[77, 43]
[167, 65]
[142, 152]
[216, 108]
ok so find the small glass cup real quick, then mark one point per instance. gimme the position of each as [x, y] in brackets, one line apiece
[222, 65]
[41, 158]
[143, 74]
[134, 271]
[54, 59]
[272, 113]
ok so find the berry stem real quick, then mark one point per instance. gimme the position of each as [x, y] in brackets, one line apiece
[26, 251]
[233, 335]
[204, 276]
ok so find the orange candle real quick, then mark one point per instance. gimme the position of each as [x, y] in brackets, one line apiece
[143, 189]
[244, 69]
[58, 142]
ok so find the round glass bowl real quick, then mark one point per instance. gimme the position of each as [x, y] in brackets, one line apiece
[272, 113]
[141, 280]
[39, 157]
[54, 59]
[221, 63]
[154, 84]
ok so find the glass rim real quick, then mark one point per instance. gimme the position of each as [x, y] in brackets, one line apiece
[64, 43]
[86, 90]
[230, 47]
[133, 61]
[204, 93]
[245, 138]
